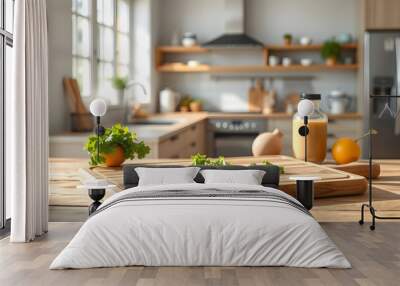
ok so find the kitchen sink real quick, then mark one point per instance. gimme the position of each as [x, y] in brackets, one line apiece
[155, 122]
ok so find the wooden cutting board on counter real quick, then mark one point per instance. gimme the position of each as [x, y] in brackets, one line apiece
[333, 182]
[359, 168]
[76, 104]
[256, 97]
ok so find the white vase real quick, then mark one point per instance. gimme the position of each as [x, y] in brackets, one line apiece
[120, 97]
[168, 100]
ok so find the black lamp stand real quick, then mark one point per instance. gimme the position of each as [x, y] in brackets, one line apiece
[305, 192]
[369, 205]
[303, 131]
[97, 194]
[305, 187]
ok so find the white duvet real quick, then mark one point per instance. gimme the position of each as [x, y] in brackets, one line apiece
[200, 231]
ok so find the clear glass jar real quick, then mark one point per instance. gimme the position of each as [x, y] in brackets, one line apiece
[317, 136]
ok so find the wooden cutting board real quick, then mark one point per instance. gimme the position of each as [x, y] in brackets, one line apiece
[332, 183]
[359, 168]
[256, 97]
[70, 95]
[76, 105]
[80, 106]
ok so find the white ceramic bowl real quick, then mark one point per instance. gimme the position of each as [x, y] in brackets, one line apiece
[193, 63]
[306, 62]
[286, 61]
[188, 42]
[305, 41]
[273, 61]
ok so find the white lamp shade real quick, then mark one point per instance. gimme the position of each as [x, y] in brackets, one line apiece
[305, 107]
[98, 107]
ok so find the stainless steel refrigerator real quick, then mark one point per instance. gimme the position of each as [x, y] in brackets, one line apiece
[381, 86]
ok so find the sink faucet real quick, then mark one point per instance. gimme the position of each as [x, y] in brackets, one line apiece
[126, 106]
[133, 83]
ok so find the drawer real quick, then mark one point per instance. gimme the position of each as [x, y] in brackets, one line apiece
[184, 144]
[171, 147]
[189, 150]
[194, 139]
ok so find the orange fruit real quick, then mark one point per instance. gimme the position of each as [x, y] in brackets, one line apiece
[115, 158]
[345, 150]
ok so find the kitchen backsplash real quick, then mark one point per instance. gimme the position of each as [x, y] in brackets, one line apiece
[264, 21]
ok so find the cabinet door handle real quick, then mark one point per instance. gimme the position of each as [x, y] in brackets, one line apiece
[331, 135]
[193, 127]
[193, 144]
[174, 138]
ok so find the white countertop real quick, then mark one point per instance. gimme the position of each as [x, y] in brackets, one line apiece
[156, 133]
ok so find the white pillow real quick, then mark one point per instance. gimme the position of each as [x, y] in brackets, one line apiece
[166, 176]
[248, 177]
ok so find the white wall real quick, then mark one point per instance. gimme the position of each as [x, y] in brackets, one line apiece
[60, 61]
[267, 21]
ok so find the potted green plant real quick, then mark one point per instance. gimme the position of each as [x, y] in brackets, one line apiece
[184, 104]
[287, 38]
[330, 52]
[116, 145]
[196, 105]
[120, 84]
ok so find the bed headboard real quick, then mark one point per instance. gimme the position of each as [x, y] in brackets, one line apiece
[270, 179]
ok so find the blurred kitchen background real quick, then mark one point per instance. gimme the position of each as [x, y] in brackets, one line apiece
[236, 87]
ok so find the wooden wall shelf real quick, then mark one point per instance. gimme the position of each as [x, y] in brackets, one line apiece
[314, 47]
[181, 49]
[262, 68]
[181, 68]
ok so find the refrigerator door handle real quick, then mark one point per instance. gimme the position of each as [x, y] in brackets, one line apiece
[397, 54]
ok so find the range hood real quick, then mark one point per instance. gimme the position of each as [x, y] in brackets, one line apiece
[234, 35]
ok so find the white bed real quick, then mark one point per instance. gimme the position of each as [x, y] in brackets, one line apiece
[268, 229]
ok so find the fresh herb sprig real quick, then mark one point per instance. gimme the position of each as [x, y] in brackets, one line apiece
[202, 160]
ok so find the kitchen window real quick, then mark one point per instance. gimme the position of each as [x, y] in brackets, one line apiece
[6, 65]
[101, 45]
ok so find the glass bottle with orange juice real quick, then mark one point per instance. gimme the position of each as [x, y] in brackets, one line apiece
[317, 136]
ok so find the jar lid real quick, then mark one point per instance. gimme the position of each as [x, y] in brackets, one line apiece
[311, 96]
[189, 35]
[336, 94]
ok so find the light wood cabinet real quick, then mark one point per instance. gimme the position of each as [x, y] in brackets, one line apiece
[382, 14]
[187, 142]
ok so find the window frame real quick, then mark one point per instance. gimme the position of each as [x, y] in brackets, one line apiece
[94, 48]
[91, 57]
[6, 39]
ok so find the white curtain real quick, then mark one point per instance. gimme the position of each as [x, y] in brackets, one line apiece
[27, 124]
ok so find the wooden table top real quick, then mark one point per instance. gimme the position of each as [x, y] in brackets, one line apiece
[332, 183]
[65, 175]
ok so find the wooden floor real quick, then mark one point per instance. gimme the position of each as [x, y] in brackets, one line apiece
[375, 257]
